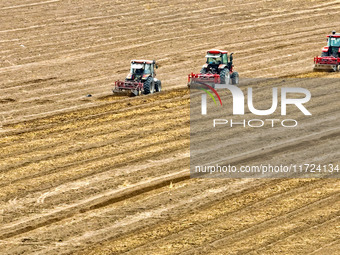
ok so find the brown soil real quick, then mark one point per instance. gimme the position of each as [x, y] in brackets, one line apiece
[109, 175]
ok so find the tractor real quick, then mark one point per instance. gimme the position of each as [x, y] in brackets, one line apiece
[217, 69]
[141, 79]
[330, 56]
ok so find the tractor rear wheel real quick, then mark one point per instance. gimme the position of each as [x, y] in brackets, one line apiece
[149, 86]
[158, 86]
[224, 76]
[234, 78]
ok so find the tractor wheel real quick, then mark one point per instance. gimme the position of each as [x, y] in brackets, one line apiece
[324, 54]
[224, 76]
[203, 71]
[149, 86]
[158, 86]
[234, 78]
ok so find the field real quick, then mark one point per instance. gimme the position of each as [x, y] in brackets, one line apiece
[110, 174]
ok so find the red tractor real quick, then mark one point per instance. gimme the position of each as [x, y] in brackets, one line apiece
[141, 79]
[330, 56]
[217, 69]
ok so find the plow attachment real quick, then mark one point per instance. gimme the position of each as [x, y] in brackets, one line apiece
[128, 87]
[196, 79]
[327, 64]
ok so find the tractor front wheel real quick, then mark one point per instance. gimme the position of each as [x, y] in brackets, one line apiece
[149, 86]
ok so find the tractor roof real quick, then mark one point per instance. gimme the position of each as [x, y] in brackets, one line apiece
[334, 35]
[214, 51]
[143, 61]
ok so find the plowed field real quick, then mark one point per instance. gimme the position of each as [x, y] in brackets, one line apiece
[110, 174]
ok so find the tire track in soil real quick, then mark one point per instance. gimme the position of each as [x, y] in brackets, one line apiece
[284, 219]
[243, 227]
[183, 176]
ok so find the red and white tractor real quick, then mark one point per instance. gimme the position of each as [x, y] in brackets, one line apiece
[330, 56]
[217, 69]
[141, 79]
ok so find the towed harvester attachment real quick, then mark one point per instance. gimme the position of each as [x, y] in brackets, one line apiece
[330, 64]
[124, 87]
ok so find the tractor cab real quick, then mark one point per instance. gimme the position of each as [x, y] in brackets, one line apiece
[333, 45]
[217, 60]
[141, 70]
